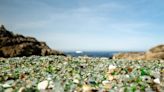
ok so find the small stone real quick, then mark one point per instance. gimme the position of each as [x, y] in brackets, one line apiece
[111, 67]
[121, 89]
[10, 82]
[49, 78]
[157, 81]
[147, 79]
[110, 77]
[86, 88]
[127, 76]
[149, 90]
[105, 82]
[43, 85]
[22, 89]
[130, 69]
[157, 88]
[76, 81]
[51, 85]
[6, 85]
[9, 90]
[65, 63]
[91, 82]
[156, 74]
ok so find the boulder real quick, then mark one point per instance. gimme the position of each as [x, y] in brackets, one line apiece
[16, 45]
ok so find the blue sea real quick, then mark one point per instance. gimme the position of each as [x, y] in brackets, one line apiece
[108, 54]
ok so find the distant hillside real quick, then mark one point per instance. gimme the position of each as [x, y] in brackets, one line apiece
[13, 45]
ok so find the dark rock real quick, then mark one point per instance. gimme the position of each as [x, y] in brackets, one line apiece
[13, 45]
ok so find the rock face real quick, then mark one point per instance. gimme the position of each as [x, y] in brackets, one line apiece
[156, 52]
[12, 45]
[130, 55]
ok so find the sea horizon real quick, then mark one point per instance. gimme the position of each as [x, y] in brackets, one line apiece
[108, 54]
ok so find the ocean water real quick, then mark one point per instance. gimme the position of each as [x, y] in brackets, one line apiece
[108, 54]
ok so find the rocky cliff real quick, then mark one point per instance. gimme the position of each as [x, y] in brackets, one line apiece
[13, 45]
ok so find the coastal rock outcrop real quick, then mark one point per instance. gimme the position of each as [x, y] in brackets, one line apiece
[15, 45]
[130, 55]
[156, 52]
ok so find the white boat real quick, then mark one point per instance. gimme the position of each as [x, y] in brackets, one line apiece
[78, 52]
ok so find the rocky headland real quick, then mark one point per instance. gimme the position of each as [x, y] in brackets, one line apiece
[16, 45]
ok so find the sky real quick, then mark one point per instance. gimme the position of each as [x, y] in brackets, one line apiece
[90, 25]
